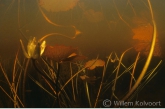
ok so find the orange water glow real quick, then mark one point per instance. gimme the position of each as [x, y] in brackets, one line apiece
[143, 37]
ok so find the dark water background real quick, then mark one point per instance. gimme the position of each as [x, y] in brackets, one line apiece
[21, 19]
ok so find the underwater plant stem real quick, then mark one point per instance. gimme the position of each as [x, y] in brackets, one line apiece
[71, 73]
[50, 66]
[87, 92]
[42, 74]
[55, 34]
[13, 91]
[121, 18]
[6, 94]
[77, 32]
[14, 82]
[148, 58]
[56, 85]
[36, 82]
[24, 81]
[133, 71]
[117, 72]
[128, 2]
[57, 88]
[58, 74]
[148, 77]
[71, 79]
[101, 84]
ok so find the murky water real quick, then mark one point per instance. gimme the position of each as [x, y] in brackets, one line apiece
[105, 26]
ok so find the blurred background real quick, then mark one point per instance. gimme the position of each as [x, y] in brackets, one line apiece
[93, 26]
[105, 25]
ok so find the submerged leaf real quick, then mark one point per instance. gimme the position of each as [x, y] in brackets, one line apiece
[143, 37]
[57, 5]
[84, 77]
[93, 16]
[61, 53]
[88, 79]
[92, 64]
[143, 33]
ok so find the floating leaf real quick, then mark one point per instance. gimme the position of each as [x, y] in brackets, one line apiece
[57, 5]
[93, 16]
[92, 64]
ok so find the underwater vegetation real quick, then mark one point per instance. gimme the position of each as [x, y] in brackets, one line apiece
[143, 36]
[72, 83]
[43, 74]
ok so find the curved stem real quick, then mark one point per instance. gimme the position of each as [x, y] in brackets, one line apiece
[57, 88]
[148, 58]
[24, 82]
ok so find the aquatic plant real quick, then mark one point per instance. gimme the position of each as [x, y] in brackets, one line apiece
[143, 37]
[60, 53]
[67, 53]
[94, 63]
[149, 55]
[67, 93]
[13, 83]
[66, 78]
[34, 49]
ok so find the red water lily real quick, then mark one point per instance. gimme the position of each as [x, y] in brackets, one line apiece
[60, 53]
